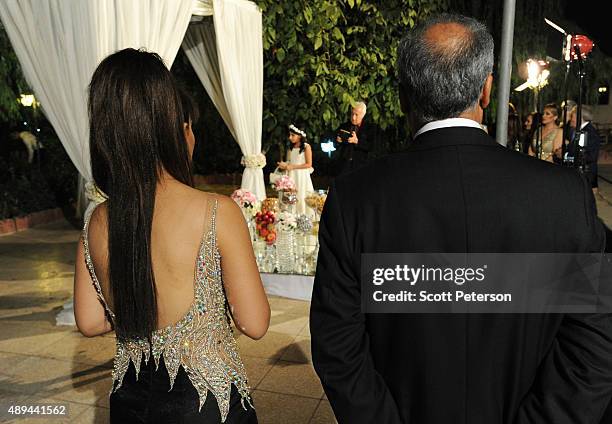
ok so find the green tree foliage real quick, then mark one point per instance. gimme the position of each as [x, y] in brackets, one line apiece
[320, 57]
[11, 80]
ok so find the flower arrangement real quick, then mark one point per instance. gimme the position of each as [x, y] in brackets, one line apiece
[244, 198]
[286, 221]
[264, 223]
[254, 161]
[284, 183]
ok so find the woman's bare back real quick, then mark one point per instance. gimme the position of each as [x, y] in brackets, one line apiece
[181, 219]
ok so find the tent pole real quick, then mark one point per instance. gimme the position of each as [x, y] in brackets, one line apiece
[505, 72]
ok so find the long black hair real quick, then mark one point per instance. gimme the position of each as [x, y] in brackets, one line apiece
[191, 113]
[136, 133]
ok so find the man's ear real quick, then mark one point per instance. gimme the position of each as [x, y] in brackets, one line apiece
[408, 110]
[485, 95]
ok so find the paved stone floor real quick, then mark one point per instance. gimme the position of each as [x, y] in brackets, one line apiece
[43, 363]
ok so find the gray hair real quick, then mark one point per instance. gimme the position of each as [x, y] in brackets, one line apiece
[444, 80]
[587, 113]
[361, 106]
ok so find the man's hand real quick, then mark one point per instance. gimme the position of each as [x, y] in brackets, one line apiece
[338, 139]
[353, 138]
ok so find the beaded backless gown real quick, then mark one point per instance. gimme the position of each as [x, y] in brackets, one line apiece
[189, 372]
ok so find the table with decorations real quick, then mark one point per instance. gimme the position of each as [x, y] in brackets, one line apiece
[285, 243]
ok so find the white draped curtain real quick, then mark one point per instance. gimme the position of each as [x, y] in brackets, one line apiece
[227, 55]
[59, 43]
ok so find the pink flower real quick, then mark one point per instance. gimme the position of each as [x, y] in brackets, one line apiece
[244, 198]
[284, 183]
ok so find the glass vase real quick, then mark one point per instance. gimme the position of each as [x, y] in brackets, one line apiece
[285, 251]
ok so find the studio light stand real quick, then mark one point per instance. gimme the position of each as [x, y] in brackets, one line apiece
[537, 77]
[575, 48]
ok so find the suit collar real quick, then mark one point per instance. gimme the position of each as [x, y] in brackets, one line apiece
[450, 122]
[453, 136]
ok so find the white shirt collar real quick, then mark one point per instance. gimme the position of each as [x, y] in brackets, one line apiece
[445, 123]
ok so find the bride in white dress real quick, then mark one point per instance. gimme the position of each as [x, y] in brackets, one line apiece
[299, 167]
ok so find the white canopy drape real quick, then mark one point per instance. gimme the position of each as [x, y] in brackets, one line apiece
[59, 43]
[227, 55]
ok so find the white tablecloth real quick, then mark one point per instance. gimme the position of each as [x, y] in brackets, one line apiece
[292, 286]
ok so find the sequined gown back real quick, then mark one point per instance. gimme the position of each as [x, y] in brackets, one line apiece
[189, 372]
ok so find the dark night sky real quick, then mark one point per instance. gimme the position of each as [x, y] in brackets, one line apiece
[594, 19]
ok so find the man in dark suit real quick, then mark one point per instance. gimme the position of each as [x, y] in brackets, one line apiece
[353, 141]
[591, 140]
[454, 191]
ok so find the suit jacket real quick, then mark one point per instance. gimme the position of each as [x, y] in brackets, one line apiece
[456, 190]
[351, 156]
[593, 141]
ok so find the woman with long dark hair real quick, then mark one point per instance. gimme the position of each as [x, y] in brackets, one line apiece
[162, 263]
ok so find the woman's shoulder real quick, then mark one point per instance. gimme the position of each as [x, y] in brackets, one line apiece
[224, 204]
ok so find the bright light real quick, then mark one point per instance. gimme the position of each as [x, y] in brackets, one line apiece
[538, 73]
[602, 89]
[555, 26]
[544, 77]
[27, 100]
[533, 72]
[328, 147]
[522, 86]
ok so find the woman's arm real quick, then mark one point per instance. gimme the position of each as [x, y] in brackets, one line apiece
[245, 294]
[88, 310]
[307, 156]
[531, 152]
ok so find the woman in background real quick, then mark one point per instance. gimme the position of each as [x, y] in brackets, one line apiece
[551, 134]
[532, 122]
[162, 263]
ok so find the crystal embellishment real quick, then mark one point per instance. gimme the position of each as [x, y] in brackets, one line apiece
[201, 342]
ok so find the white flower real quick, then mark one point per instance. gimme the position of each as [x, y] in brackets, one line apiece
[254, 161]
[286, 221]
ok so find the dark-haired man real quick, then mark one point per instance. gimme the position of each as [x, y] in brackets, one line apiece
[449, 193]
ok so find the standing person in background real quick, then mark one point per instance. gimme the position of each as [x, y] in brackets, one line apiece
[514, 129]
[299, 167]
[353, 141]
[532, 122]
[551, 134]
[149, 262]
[591, 140]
